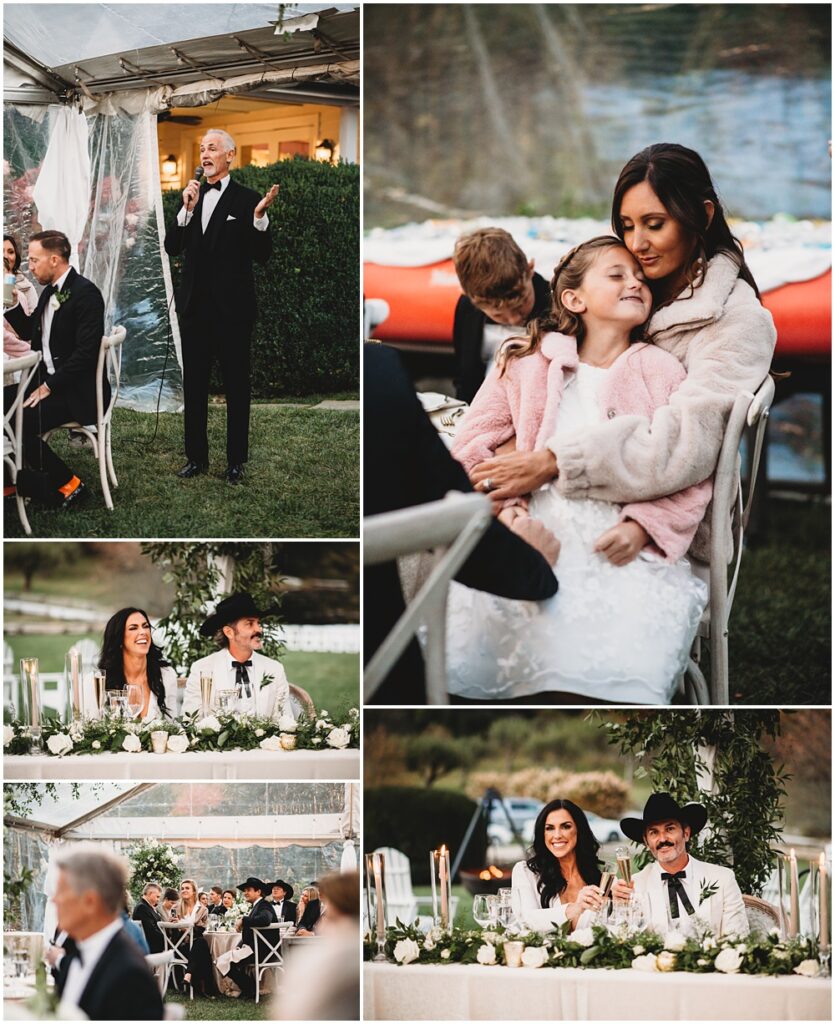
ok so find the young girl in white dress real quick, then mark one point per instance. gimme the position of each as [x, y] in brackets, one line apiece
[620, 627]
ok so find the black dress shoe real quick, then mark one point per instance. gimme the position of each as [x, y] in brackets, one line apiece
[234, 474]
[192, 469]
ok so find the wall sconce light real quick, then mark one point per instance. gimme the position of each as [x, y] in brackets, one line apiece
[169, 166]
[324, 150]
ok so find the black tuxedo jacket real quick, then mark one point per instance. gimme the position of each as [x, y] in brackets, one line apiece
[147, 916]
[217, 266]
[468, 335]
[406, 463]
[217, 909]
[261, 915]
[288, 910]
[74, 343]
[121, 986]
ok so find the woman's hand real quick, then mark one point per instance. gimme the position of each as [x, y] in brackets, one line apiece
[588, 898]
[622, 543]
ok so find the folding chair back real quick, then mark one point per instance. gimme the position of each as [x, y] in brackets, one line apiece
[27, 366]
[268, 955]
[178, 939]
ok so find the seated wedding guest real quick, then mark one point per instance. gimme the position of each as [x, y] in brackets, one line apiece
[108, 979]
[238, 666]
[309, 911]
[676, 885]
[322, 979]
[167, 904]
[131, 658]
[216, 900]
[133, 928]
[560, 880]
[261, 915]
[14, 346]
[67, 327]
[501, 295]
[406, 464]
[147, 914]
[190, 911]
[203, 896]
[282, 894]
[228, 900]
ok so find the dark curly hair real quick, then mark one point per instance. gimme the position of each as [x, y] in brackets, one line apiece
[112, 657]
[681, 180]
[16, 246]
[550, 881]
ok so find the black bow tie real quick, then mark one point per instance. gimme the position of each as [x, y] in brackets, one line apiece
[676, 893]
[206, 186]
[242, 676]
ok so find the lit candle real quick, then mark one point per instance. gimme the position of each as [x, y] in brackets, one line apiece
[378, 888]
[443, 878]
[794, 898]
[823, 897]
[781, 869]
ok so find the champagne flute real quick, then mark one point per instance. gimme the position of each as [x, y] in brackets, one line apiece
[206, 683]
[624, 864]
[607, 880]
[99, 690]
[133, 700]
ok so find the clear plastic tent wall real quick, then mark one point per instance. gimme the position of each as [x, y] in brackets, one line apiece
[120, 250]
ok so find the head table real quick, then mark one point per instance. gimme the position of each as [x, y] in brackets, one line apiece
[220, 765]
[475, 992]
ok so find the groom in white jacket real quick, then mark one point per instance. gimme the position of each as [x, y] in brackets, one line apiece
[676, 885]
[261, 682]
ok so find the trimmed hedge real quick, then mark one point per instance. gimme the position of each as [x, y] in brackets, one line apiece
[306, 337]
[418, 820]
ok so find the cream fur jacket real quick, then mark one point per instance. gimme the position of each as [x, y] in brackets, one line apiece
[525, 402]
[725, 339]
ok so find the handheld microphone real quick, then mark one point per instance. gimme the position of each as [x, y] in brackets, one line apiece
[198, 173]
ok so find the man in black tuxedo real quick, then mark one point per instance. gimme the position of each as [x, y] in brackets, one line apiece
[107, 976]
[67, 327]
[216, 901]
[406, 463]
[282, 895]
[146, 913]
[261, 915]
[221, 228]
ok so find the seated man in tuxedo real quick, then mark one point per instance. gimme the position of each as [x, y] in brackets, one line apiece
[67, 327]
[282, 895]
[238, 664]
[676, 885]
[216, 900]
[108, 978]
[220, 229]
[146, 913]
[260, 915]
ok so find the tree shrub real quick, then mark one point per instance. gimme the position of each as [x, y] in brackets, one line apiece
[419, 820]
[306, 337]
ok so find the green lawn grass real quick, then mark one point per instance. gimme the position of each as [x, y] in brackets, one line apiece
[464, 911]
[221, 1008]
[302, 480]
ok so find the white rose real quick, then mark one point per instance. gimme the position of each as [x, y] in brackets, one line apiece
[709, 943]
[645, 963]
[486, 954]
[96, 745]
[131, 743]
[8, 735]
[583, 937]
[534, 956]
[354, 712]
[339, 738]
[780, 954]
[60, 743]
[259, 733]
[288, 741]
[637, 950]
[209, 724]
[429, 943]
[702, 963]
[665, 961]
[808, 968]
[406, 950]
[445, 954]
[287, 723]
[76, 731]
[674, 941]
[321, 724]
[324, 713]
[492, 937]
[54, 304]
[177, 743]
[270, 743]
[728, 962]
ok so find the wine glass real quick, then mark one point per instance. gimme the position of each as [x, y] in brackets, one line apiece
[114, 702]
[483, 909]
[638, 912]
[134, 700]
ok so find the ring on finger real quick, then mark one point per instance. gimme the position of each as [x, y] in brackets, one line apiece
[487, 485]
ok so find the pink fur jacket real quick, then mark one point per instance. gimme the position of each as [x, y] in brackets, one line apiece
[525, 402]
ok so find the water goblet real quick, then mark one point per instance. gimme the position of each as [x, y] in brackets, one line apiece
[134, 700]
[482, 913]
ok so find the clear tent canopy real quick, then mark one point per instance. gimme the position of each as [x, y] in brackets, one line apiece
[83, 87]
[224, 832]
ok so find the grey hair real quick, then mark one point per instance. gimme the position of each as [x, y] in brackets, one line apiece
[104, 873]
[149, 886]
[228, 141]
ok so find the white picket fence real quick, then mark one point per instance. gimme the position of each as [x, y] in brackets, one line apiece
[334, 639]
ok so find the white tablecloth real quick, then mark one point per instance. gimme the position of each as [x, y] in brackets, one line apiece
[249, 764]
[473, 992]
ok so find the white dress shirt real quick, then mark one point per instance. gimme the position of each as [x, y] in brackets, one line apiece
[210, 201]
[46, 323]
[268, 698]
[91, 950]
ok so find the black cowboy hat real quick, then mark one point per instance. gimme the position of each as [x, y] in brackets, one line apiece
[255, 883]
[232, 608]
[288, 889]
[662, 807]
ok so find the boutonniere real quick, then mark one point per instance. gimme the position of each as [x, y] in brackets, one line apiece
[265, 681]
[707, 890]
[57, 299]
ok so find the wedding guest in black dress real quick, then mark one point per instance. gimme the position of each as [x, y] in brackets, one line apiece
[190, 910]
[310, 910]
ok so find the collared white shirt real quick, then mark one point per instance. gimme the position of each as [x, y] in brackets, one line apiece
[46, 323]
[210, 201]
[91, 950]
[246, 705]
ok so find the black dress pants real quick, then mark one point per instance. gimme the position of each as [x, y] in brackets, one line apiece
[206, 337]
[240, 975]
[51, 412]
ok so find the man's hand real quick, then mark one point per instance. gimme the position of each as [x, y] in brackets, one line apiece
[191, 193]
[38, 395]
[266, 202]
[622, 543]
[621, 892]
[537, 534]
[512, 476]
[238, 925]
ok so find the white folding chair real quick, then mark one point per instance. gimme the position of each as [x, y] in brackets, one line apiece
[109, 361]
[178, 939]
[27, 366]
[455, 523]
[402, 902]
[751, 411]
[268, 955]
